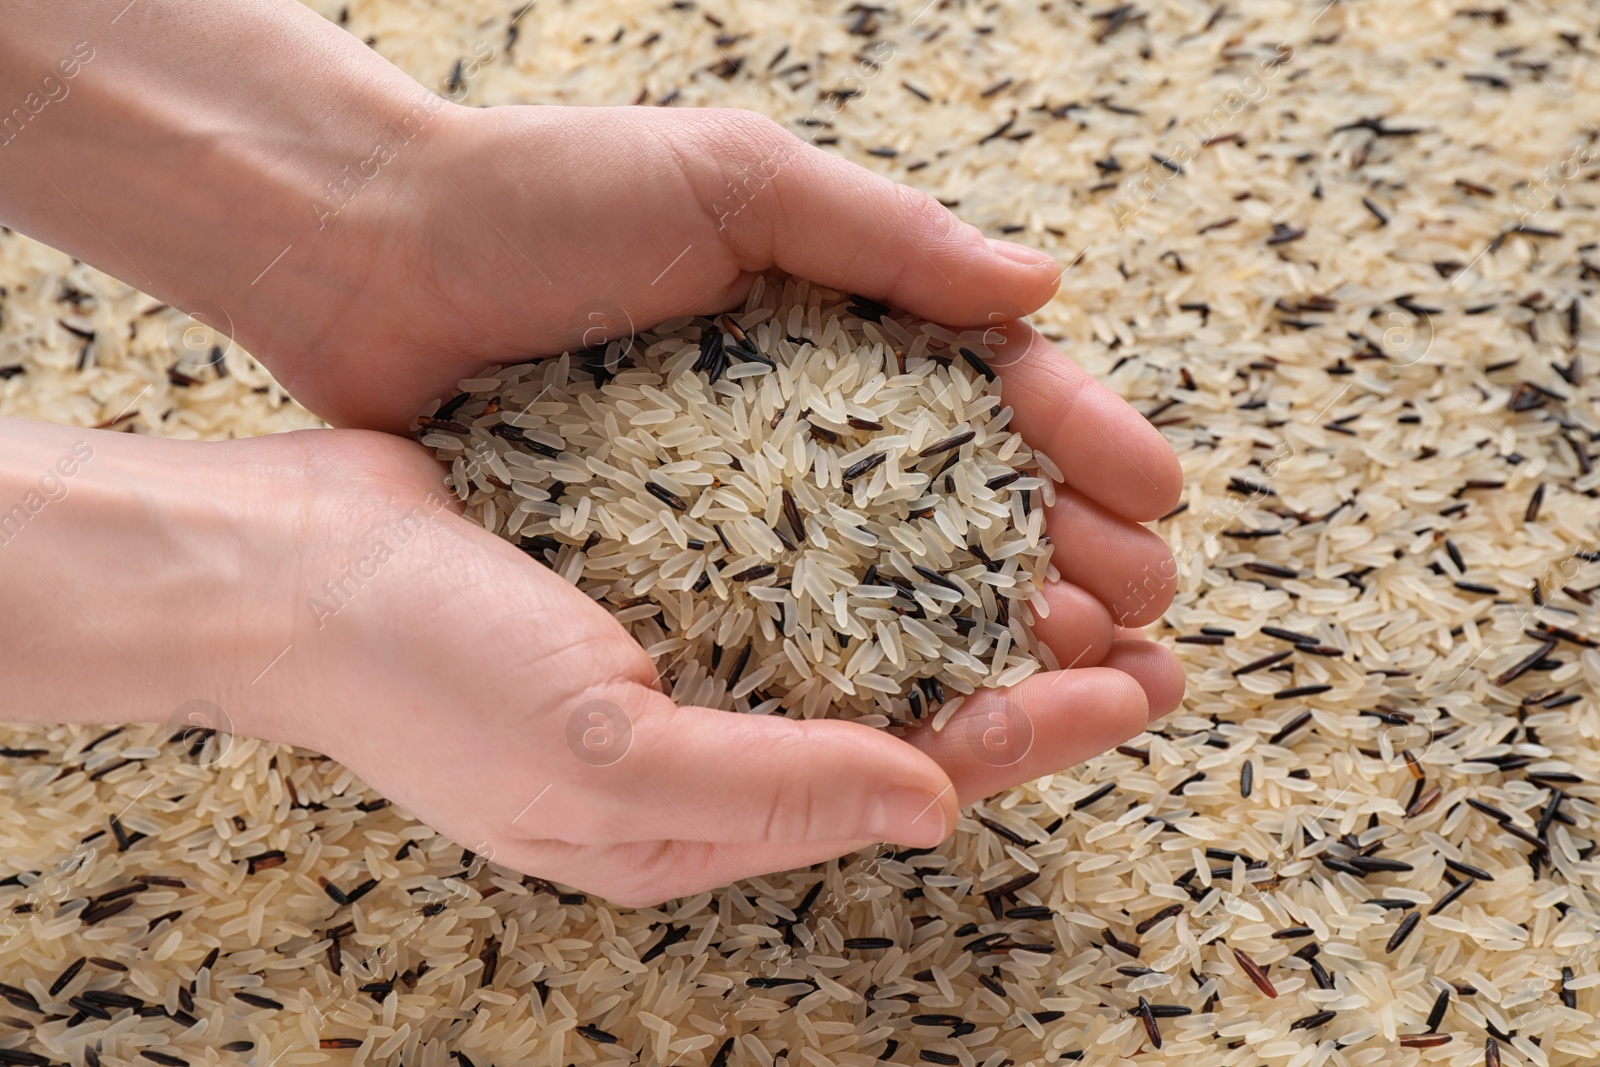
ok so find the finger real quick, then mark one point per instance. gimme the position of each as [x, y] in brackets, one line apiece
[1154, 667]
[1078, 629]
[823, 218]
[1004, 737]
[1126, 566]
[698, 774]
[1106, 450]
[646, 873]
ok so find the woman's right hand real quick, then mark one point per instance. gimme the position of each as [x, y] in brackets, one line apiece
[321, 589]
[501, 706]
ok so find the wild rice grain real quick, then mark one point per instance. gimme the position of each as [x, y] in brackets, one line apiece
[1403, 931]
[977, 364]
[868, 943]
[255, 1000]
[1470, 871]
[65, 978]
[164, 1058]
[1151, 1028]
[1261, 664]
[1441, 1004]
[1254, 972]
[1424, 802]
[948, 444]
[666, 496]
[597, 1035]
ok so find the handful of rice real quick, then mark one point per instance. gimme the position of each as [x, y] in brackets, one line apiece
[813, 506]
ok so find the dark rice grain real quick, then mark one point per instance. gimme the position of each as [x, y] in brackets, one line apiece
[1441, 1004]
[1403, 931]
[1254, 972]
[65, 978]
[597, 1035]
[977, 364]
[1147, 1017]
[1470, 871]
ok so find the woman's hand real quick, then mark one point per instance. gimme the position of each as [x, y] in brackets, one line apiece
[511, 713]
[513, 232]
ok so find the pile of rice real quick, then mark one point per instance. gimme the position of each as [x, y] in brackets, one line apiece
[810, 504]
[1343, 255]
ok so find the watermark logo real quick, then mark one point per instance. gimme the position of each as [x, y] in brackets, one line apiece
[51, 487]
[1407, 336]
[599, 733]
[342, 190]
[387, 541]
[992, 317]
[600, 322]
[204, 728]
[199, 328]
[1000, 734]
[53, 88]
[51, 887]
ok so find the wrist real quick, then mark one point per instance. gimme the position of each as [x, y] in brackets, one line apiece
[215, 159]
[139, 571]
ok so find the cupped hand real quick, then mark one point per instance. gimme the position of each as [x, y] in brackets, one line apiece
[510, 712]
[512, 232]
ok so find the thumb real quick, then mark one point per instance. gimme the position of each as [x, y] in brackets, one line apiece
[709, 775]
[820, 217]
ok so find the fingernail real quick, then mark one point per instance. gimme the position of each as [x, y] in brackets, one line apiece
[906, 817]
[1028, 257]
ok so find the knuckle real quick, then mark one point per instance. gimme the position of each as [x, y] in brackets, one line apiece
[930, 220]
[739, 125]
[793, 803]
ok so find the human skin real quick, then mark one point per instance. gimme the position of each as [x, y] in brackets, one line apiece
[191, 154]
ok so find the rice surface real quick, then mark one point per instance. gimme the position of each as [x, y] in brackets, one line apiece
[1355, 290]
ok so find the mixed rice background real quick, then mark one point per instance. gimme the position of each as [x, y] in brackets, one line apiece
[1343, 255]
